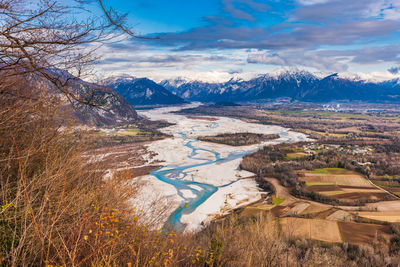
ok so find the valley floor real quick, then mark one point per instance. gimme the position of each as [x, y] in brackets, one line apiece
[189, 164]
[186, 183]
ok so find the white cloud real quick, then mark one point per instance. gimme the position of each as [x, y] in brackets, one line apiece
[296, 58]
[374, 76]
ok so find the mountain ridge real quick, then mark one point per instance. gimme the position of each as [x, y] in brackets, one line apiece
[296, 85]
[142, 91]
[107, 107]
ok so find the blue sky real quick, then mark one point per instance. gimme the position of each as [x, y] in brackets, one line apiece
[218, 39]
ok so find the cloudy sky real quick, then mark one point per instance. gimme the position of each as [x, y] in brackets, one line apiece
[217, 39]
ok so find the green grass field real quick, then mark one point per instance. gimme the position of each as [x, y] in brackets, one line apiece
[277, 201]
[295, 155]
[133, 130]
[331, 171]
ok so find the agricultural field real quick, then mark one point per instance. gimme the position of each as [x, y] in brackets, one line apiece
[334, 231]
[296, 155]
[324, 223]
[341, 184]
[313, 209]
[320, 189]
[311, 220]
[389, 183]
[383, 216]
[363, 233]
[255, 210]
[293, 153]
[277, 201]
[322, 230]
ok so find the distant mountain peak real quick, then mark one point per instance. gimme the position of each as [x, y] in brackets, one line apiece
[289, 71]
[291, 83]
[176, 82]
[119, 78]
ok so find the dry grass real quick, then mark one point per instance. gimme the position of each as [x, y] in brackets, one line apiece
[322, 230]
[259, 242]
[385, 216]
[56, 208]
[315, 209]
[255, 210]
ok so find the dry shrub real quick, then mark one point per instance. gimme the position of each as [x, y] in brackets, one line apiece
[46, 191]
[259, 242]
[55, 207]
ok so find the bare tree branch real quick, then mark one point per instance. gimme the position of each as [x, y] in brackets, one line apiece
[39, 38]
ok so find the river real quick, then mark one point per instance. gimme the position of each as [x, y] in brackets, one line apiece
[206, 176]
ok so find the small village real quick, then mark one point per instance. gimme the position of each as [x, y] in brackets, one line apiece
[314, 148]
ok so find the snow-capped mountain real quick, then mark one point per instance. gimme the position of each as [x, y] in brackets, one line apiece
[288, 83]
[174, 83]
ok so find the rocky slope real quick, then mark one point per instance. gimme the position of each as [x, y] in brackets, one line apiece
[108, 108]
[111, 110]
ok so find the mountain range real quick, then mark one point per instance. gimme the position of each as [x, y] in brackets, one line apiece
[142, 91]
[295, 85]
[117, 96]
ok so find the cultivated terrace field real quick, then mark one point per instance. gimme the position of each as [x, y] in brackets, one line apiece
[239, 139]
[342, 188]
[341, 184]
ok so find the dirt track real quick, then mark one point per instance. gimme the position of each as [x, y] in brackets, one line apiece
[283, 192]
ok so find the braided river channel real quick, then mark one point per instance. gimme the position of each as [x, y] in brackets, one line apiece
[206, 176]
